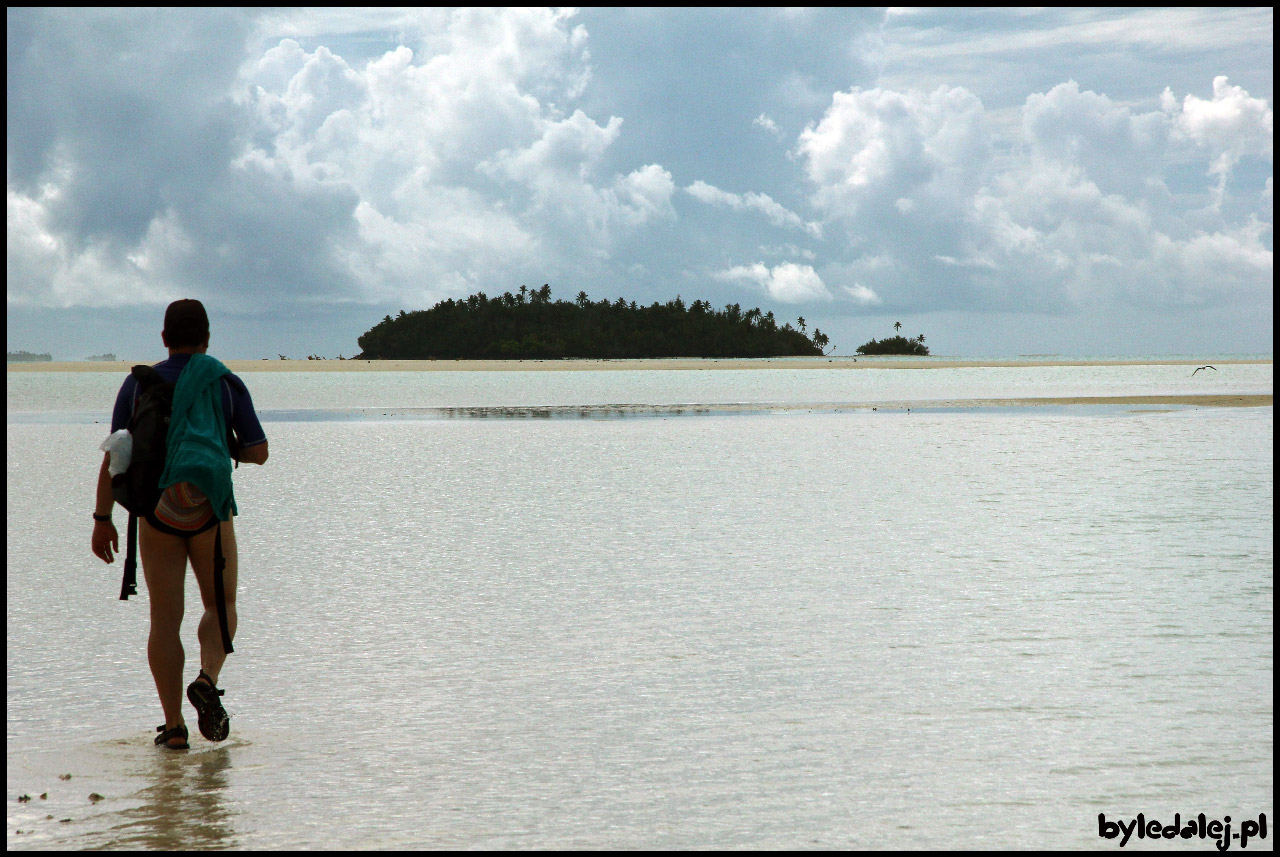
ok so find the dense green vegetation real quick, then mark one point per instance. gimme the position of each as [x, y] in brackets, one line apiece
[27, 357]
[896, 345]
[530, 325]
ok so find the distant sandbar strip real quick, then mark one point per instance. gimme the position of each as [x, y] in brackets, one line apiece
[1261, 400]
[1060, 405]
[694, 409]
[240, 366]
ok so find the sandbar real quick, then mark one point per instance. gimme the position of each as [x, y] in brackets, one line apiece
[679, 363]
[1259, 400]
[1150, 404]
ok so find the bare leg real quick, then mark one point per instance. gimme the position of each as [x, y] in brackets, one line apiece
[200, 549]
[164, 566]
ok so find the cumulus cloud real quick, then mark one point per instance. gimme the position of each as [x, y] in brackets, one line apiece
[43, 269]
[1228, 126]
[876, 146]
[1071, 211]
[786, 283]
[1119, 150]
[419, 172]
[776, 213]
[763, 121]
[457, 137]
[645, 194]
[333, 158]
[1231, 121]
[862, 295]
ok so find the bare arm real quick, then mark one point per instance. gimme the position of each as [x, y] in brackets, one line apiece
[256, 454]
[105, 538]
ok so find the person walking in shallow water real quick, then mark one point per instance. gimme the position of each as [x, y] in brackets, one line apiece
[190, 520]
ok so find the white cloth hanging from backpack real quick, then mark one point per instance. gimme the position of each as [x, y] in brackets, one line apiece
[120, 447]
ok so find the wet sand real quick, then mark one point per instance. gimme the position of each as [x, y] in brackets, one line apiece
[1205, 401]
[1135, 404]
[680, 363]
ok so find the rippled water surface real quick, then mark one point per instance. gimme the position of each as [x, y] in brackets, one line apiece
[791, 630]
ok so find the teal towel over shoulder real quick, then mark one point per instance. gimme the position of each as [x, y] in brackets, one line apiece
[197, 439]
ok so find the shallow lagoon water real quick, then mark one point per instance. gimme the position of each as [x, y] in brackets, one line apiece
[78, 396]
[783, 630]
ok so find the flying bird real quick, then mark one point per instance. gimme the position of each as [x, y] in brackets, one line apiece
[1203, 367]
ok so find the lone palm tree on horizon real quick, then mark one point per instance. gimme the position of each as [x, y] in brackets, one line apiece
[897, 325]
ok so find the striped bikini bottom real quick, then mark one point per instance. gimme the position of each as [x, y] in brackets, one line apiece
[183, 510]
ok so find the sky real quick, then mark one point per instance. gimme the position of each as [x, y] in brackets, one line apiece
[1004, 182]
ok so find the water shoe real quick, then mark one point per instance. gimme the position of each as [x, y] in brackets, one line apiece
[215, 725]
[167, 735]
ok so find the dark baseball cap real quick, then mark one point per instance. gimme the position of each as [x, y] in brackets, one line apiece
[186, 323]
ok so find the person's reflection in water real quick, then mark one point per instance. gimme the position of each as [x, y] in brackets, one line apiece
[183, 808]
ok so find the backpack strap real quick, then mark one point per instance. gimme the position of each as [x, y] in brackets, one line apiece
[129, 586]
[219, 591]
[143, 376]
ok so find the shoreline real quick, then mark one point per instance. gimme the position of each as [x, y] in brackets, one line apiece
[629, 364]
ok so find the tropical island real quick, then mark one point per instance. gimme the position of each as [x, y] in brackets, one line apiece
[529, 325]
[896, 345]
[27, 357]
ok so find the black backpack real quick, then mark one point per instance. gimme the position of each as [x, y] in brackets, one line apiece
[138, 488]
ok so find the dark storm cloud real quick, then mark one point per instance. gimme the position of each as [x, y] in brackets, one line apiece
[133, 115]
[129, 109]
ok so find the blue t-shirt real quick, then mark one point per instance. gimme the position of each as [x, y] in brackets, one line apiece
[237, 406]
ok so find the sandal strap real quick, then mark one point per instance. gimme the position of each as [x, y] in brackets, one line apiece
[167, 735]
[211, 684]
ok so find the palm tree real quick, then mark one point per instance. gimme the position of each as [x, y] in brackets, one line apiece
[897, 325]
[920, 339]
[801, 320]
